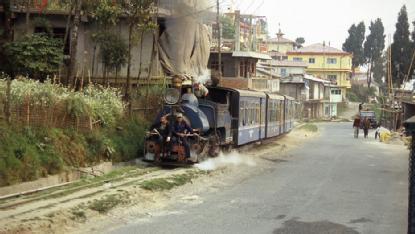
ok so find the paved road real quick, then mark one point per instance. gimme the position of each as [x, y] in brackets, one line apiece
[332, 184]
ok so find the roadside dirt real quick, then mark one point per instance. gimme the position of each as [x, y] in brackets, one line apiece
[124, 200]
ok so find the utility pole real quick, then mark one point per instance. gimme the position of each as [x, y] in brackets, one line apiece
[250, 32]
[237, 30]
[254, 40]
[219, 42]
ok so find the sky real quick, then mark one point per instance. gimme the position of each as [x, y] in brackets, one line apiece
[323, 20]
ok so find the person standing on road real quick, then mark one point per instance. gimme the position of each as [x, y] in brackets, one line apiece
[377, 133]
[356, 126]
[366, 126]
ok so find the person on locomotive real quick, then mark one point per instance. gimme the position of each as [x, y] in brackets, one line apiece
[180, 130]
[161, 132]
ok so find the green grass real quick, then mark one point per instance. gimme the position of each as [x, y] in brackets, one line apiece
[27, 154]
[160, 184]
[107, 203]
[309, 127]
[78, 214]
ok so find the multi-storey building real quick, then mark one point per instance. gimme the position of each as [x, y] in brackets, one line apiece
[326, 63]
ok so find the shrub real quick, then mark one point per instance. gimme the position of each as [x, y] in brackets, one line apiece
[35, 55]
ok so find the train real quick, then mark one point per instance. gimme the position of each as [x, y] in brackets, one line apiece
[224, 118]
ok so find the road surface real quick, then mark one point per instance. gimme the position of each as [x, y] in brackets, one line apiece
[331, 184]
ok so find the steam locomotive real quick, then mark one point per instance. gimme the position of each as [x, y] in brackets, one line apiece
[225, 117]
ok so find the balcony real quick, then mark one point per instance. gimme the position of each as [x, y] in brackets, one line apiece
[259, 84]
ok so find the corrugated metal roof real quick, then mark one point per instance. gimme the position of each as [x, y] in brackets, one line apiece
[280, 40]
[251, 54]
[313, 78]
[275, 96]
[250, 93]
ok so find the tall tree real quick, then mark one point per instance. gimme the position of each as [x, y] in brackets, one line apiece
[401, 48]
[299, 41]
[77, 5]
[373, 47]
[354, 44]
[228, 28]
[139, 19]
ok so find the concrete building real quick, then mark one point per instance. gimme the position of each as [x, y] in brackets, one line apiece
[239, 70]
[309, 90]
[326, 63]
[333, 92]
[280, 44]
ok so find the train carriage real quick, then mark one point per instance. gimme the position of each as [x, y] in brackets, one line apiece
[251, 116]
[274, 107]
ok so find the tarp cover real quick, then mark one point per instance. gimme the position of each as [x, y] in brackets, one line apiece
[184, 45]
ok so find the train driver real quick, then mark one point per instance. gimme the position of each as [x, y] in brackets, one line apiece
[161, 130]
[181, 130]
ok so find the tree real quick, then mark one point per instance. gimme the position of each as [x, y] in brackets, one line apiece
[299, 41]
[354, 44]
[36, 55]
[401, 48]
[113, 50]
[228, 27]
[77, 5]
[139, 19]
[373, 47]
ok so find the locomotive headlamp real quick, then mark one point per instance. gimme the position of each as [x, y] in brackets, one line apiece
[172, 96]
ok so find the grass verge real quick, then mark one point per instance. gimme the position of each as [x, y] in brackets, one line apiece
[108, 202]
[160, 184]
[309, 127]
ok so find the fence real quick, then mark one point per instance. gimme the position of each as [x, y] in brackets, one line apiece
[55, 116]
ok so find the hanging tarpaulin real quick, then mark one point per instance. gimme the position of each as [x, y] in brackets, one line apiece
[184, 45]
[40, 5]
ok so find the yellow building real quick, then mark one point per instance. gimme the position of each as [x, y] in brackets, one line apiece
[280, 44]
[326, 63]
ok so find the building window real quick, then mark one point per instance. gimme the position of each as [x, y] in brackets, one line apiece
[283, 72]
[332, 78]
[311, 60]
[215, 66]
[331, 60]
[336, 92]
[297, 59]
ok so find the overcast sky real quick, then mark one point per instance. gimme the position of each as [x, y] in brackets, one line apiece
[324, 20]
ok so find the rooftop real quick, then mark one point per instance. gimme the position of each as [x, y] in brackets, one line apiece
[318, 48]
[280, 40]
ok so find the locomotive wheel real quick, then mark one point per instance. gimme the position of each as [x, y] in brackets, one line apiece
[214, 148]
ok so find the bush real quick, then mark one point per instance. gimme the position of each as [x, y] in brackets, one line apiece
[35, 55]
[360, 93]
[29, 153]
[104, 105]
[128, 140]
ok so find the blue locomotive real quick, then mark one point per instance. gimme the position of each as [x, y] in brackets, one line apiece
[225, 117]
